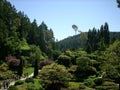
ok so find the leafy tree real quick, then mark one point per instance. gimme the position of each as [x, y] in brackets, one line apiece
[84, 70]
[64, 60]
[56, 54]
[54, 76]
[112, 55]
[35, 54]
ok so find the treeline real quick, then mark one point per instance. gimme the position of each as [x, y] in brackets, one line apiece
[18, 33]
[90, 39]
[98, 39]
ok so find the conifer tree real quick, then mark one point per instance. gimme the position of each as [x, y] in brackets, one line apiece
[36, 68]
[20, 68]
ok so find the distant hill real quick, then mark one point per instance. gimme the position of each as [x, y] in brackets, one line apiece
[76, 41]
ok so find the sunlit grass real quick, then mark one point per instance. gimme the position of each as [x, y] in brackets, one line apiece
[28, 70]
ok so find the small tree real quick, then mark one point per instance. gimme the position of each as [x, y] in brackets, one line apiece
[84, 70]
[54, 76]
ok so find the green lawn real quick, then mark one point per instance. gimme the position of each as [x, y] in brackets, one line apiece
[31, 86]
[28, 70]
[77, 85]
[74, 85]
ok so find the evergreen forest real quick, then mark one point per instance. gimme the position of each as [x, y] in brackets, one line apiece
[32, 59]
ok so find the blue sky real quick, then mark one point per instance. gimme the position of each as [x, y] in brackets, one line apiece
[60, 15]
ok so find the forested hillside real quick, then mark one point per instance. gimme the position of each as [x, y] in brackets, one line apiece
[31, 59]
[18, 33]
[76, 41]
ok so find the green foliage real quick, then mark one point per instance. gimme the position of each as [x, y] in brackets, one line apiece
[31, 86]
[56, 54]
[35, 54]
[89, 82]
[28, 70]
[83, 61]
[54, 76]
[64, 60]
[107, 86]
[98, 39]
[19, 82]
[3, 67]
[6, 75]
[98, 81]
[73, 86]
[12, 88]
[84, 70]
[28, 80]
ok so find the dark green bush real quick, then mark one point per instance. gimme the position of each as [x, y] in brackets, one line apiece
[19, 82]
[28, 80]
[6, 75]
[89, 82]
[12, 88]
[107, 86]
[98, 81]
[82, 87]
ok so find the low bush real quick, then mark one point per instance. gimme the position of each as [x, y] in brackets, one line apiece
[4, 67]
[28, 80]
[98, 81]
[12, 88]
[82, 87]
[6, 75]
[89, 82]
[19, 82]
[31, 86]
[107, 86]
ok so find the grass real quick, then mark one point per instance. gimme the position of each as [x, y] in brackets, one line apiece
[74, 85]
[77, 85]
[37, 85]
[28, 70]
